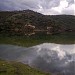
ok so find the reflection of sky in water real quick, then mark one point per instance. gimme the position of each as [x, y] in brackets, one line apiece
[48, 56]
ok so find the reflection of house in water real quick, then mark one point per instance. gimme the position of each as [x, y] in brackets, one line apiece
[29, 34]
[49, 33]
[49, 30]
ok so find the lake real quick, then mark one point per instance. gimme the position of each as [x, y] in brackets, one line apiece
[49, 57]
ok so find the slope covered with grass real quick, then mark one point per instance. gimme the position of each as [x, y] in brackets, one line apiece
[17, 68]
[14, 22]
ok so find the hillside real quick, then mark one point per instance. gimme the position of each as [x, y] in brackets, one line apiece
[67, 21]
[56, 28]
[17, 68]
[20, 22]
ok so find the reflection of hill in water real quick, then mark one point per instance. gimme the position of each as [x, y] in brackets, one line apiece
[29, 33]
[49, 57]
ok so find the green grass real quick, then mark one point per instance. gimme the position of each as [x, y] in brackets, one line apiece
[66, 38]
[17, 68]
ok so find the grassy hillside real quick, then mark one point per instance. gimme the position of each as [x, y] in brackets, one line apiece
[14, 22]
[16, 68]
[67, 21]
[27, 41]
[13, 30]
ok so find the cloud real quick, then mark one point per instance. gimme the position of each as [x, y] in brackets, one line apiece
[18, 4]
[54, 58]
[47, 4]
[69, 10]
[70, 1]
[43, 6]
[64, 7]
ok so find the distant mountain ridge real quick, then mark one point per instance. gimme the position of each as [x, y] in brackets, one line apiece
[15, 22]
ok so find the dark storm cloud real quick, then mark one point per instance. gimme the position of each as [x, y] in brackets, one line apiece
[47, 4]
[25, 4]
[18, 4]
[70, 1]
[42, 6]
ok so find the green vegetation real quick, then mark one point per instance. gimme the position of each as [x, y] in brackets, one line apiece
[66, 21]
[65, 38]
[17, 68]
[14, 22]
[12, 31]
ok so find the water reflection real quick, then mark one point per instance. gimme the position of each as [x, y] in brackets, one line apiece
[30, 33]
[55, 58]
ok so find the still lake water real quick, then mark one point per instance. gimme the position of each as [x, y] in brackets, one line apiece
[49, 57]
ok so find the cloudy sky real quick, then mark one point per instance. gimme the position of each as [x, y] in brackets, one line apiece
[47, 7]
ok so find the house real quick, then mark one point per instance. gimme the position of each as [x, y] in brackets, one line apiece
[50, 29]
[28, 28]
